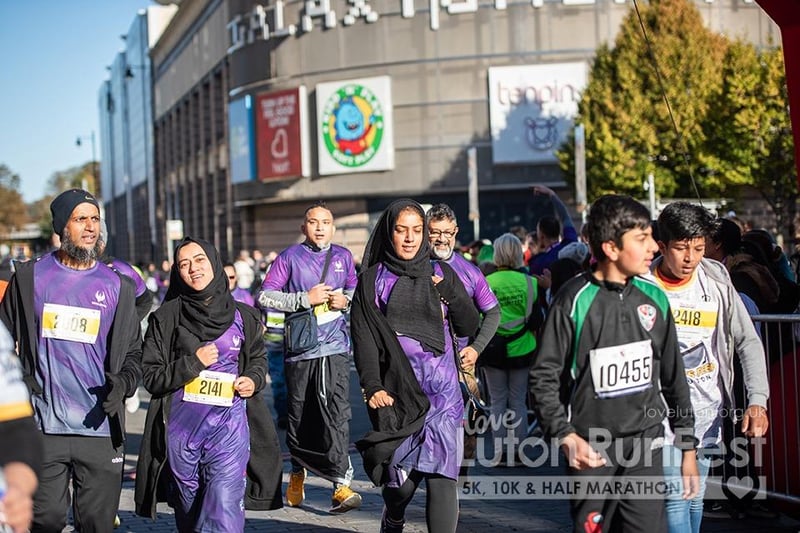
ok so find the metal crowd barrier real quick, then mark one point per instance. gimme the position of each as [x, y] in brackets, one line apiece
[776, 459]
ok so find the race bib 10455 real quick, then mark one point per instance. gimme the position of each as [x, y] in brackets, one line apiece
[622, 370]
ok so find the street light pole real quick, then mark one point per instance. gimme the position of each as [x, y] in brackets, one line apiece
[78, 142]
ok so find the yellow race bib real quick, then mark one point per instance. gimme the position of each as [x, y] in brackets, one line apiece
[210, 388]
[69, 323]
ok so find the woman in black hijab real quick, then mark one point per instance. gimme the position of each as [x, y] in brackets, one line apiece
[203, 356]
[405, 312]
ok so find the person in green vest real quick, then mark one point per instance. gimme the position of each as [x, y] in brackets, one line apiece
[511, 351]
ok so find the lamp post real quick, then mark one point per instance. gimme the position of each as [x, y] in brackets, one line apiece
[78, 142]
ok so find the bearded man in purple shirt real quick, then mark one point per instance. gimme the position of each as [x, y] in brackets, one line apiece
[321, 276]
[79, 342]
[442, 232]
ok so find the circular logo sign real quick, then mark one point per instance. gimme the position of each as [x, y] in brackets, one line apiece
[352, 125]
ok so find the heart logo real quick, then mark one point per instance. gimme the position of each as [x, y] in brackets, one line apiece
[741, 489]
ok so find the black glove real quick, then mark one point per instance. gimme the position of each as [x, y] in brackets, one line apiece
[446, 291]
[116, 395]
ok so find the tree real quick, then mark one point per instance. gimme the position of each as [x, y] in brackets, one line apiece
[750, 131]
[629, 131]
[14, 213]
[81, 177]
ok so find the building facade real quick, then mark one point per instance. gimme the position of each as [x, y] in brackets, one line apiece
[262, 108]
[127, 156]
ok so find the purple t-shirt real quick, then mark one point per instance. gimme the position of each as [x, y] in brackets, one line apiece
[477, 288]
[209, 445]
[243, 295]
[191, 422]
[76, 309]
[438, 447]
[297, 269]
[127, 270]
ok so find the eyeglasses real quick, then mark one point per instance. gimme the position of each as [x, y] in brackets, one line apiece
[439, 233]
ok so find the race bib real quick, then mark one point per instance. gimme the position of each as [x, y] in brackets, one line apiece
[68, 323]
[622, 370]
[694, 321]
[324, 313]
[210, 388]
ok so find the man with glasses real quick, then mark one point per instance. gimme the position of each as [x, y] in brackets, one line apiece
[74, 321]
[442, 231]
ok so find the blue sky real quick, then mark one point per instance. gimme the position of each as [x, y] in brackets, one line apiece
[54, 55]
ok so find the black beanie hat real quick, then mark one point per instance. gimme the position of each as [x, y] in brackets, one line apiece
[66, 202]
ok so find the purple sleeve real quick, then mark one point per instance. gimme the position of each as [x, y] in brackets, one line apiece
[570, 234]
[278, 275]
[352, 279]
[484, 298]
[128, 271]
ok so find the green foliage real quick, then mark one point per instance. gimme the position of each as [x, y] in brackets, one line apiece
[81, 177]
[728, 101]
[14, 213]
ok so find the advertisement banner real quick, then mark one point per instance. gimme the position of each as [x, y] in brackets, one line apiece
[240, 133]
[354, 126]
[532, 108]
[282, 129]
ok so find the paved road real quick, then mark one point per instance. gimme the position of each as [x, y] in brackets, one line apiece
[516, 512]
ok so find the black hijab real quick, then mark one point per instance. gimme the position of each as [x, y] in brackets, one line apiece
[208, 313]
[414, 308]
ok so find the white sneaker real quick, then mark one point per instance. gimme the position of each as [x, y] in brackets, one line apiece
[132, 403]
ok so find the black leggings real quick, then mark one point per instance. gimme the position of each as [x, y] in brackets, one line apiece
[441, 503]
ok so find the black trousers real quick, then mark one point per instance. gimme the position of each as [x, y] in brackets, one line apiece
[441, 501]
[95, 468]
[318, 434]
[623, 514]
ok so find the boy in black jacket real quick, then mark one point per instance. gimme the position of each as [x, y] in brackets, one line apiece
[608, 354]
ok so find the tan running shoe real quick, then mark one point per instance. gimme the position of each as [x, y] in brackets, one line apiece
[295, 494]
[344, 499]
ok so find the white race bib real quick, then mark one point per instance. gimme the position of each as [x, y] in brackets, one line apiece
[210, 388]
[65, 322]
[622, 370]
[324, 313]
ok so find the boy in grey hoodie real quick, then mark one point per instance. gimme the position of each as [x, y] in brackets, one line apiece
[712, 325]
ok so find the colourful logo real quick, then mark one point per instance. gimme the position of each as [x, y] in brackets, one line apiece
[352, 125]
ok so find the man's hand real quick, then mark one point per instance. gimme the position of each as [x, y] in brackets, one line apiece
[245, 386]
[208, 354]
[755, 421]
[380, 399]
[319, 293]
[337, 301]
[580, 454]
[690, 475]
[545, 280]
[543, 189]
[468, 357]
[116, 394]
